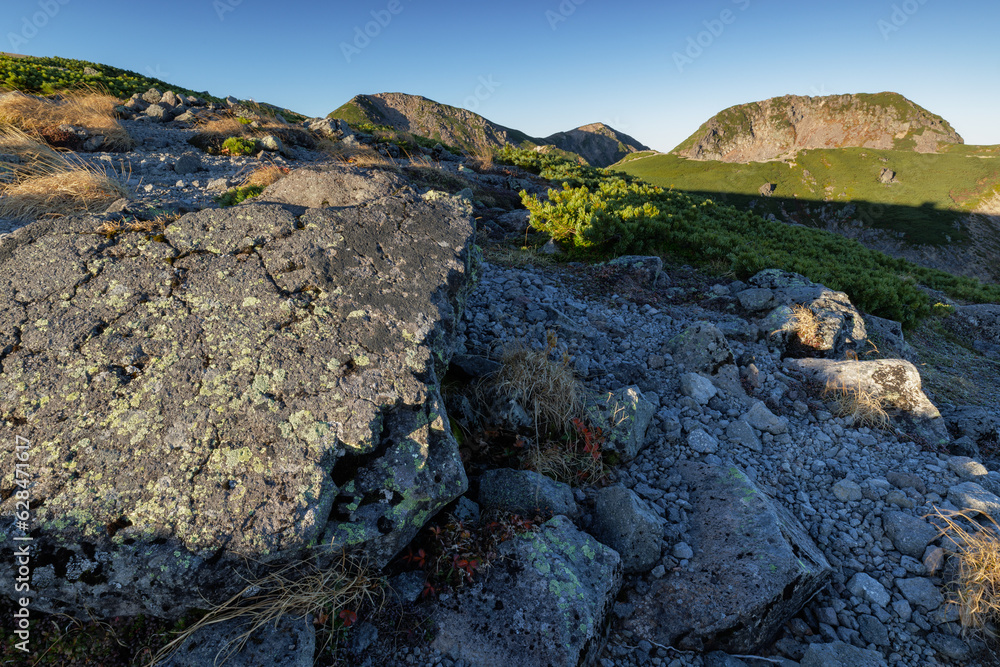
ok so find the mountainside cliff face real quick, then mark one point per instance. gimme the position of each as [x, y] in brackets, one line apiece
[780, 126]
[419, 115]
[599, 144]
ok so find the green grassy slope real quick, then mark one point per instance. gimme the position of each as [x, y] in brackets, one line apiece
[932, 191]
[48, 75]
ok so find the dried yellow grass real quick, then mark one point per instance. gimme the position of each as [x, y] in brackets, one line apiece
[547, 390]
[977, 588]
[85, 108]
[48, 183]
[863, 407]
[805, 325]
[296, 590]
[266, 175]
[359, 155]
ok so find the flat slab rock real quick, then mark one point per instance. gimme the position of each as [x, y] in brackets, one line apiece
[754, 566]
[254, 384]
[543, 602]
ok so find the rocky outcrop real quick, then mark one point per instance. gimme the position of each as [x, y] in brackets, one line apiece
[427, 118]
[752, 566]
[253, 384]
[598, 144]
[780, 126]
[544, 603]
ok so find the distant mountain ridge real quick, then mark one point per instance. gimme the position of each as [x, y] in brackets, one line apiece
[599, 144]
[781, 126]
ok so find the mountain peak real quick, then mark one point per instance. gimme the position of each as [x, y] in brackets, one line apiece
[781, 126]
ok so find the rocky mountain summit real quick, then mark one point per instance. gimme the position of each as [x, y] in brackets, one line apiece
[305, 374]
[596, 143]
[780, 126]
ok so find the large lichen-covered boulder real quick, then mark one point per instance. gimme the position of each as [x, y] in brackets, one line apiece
[754, 566]
[893, 383]
[255, 385]
[543, 602]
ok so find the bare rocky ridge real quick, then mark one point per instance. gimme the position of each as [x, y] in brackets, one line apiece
[780, 126]
[599, 144]
[596, 143]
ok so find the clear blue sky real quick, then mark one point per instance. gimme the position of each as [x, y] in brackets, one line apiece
[545, 65]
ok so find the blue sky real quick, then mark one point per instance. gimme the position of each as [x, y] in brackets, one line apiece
[655, 70]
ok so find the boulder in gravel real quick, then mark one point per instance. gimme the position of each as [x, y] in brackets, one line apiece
[525, 492]
[152, 96]
[972, 496]
[698, 387]
[753, 567]
[289, 641]
[623, 417]
[543, 602]
[921, 592]
[865, 587]
[255, 385]
[841, 654]
[158, 113]
[702, 348]
[893, 383]
[980, 424]
[627, 524]
[188, 163]
[761, 418]
[344, 186]
[909, 534]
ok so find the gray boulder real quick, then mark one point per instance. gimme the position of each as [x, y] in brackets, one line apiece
[343, 186]
[543, 602]
[158, 113]
[972, 496]
[980, 424]
[627, 524]
[909, 534]
[895, 383]
[841, 654]
[256, 385]
[188, 163]
[623, 417]
[837, 326]
[290, 642]
[152, 96]
[525, 492]
[753, 567]
[702, 348]
[886, 176]
[332, 128]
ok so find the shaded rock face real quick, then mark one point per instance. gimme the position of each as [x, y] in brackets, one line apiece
[258, 383]
[598, 144]
[544, 602]
[752, 569]
[980, 324]
[780, 126]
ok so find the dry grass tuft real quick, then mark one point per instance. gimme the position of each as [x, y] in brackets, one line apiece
[547, 390]
[266, 175]
[359, 155]
[86, 108]
[805, 325]
[862, 406]
[977, 587]
[295, 591]
[48, 183]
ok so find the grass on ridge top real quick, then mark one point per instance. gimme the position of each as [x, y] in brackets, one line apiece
[932, 190]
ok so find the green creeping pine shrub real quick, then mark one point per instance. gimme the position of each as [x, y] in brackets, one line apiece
[235, 196]
[600, 214]
[238, 146]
